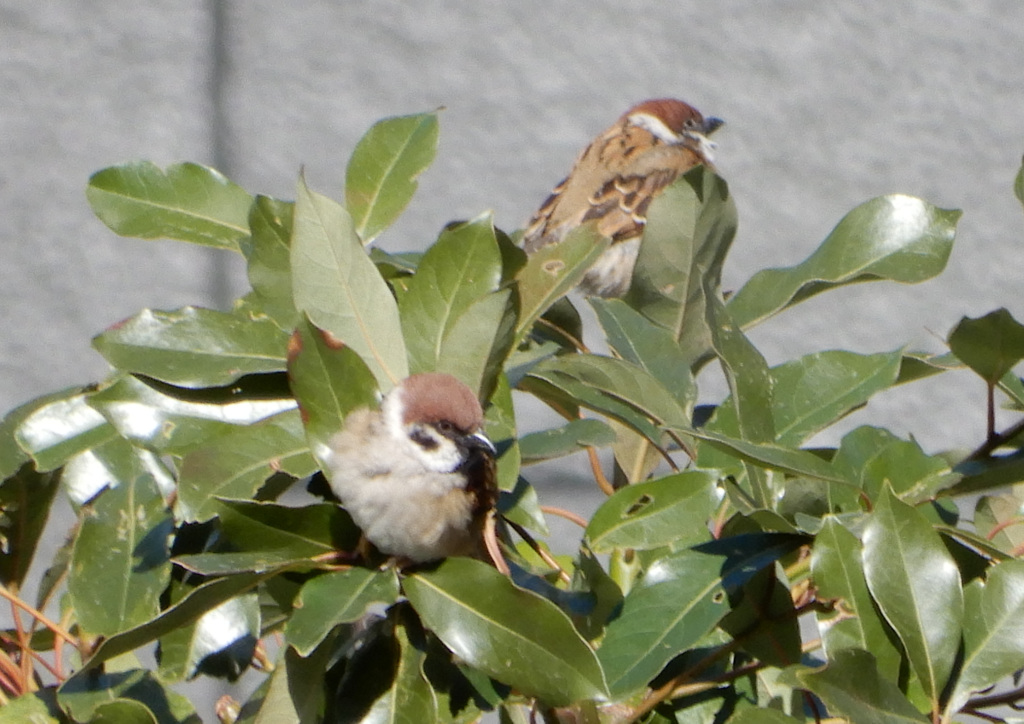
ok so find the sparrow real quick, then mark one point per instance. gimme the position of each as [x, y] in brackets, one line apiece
[615, 179]
[418, 475]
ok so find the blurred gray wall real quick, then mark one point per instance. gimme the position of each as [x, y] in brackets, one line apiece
[827, 104]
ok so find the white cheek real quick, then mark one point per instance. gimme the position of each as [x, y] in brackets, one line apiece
[655, 125]
[442, 459]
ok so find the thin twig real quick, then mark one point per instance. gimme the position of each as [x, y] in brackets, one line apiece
[544, 555]
[493, 549]
[563, 513]
[994, 442]
[39, 616]
[578, 344]
[595, 467]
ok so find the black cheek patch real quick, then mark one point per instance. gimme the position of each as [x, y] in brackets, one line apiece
[425, 441]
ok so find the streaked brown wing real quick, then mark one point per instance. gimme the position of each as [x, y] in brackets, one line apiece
[620, 206]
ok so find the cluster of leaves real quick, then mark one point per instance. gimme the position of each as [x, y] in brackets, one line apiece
[721, 531]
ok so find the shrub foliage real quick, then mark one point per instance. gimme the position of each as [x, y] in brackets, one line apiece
[696, 586]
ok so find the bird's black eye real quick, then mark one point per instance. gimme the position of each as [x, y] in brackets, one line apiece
[690, 123]
[445, 427]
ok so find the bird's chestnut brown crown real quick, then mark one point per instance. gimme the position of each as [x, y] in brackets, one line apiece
[437, 398]
[676, 115]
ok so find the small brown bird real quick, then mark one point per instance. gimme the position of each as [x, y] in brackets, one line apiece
[614, 181]
[418, 475]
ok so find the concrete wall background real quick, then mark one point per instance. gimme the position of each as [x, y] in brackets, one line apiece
[827, 105]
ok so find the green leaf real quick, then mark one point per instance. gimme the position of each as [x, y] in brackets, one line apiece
[462, 267]
[751, 386]
[837, 571]
[614, 387]
[12, 455]
[510, 634]
[236, 464]
[38, 707]
[335, 598]
[916, 584]
[680, 598]
[381, 176]
[870, 457]
[121, 560]
[411, 699]
[475, 349]
[852, 688]
[193, 347]
[671, 510]
[811, 393]
[294, 693]
[1018, 185]
[183, 613]
[187, 202]
[993, 632]
[769, 456]
[553, 271]
[25, 500]
[991, 345]
[558, 442]
[295, 532]
[268, 258]
[896, 237]
[220, 643]
[763, 716]
[61, 429]
[329, 381]
[84, 693]
[340, 289]
[690, 228]
[122, 711]
[173, 420]
[638, 340]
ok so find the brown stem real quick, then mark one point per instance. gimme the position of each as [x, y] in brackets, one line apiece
[544, 555]
[1006, 697]
[39, 616]
[995, 441]
[991, 401]
[493, 549]
[563, 513]
[578, 344]
[595, 467]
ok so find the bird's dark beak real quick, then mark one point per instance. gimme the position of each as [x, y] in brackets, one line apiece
[711, 125]
[479, 441]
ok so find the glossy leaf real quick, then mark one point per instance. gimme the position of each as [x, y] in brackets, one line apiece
[294, 693]
[171, 420]
[221, 642]
[122, 711]
[236, 464]
[459, 269]
[121, 559]
[12, 455]
[989, 345]
[299, 532]
[553, 271]
[381, 176]
[193, 347]
[690, 227]
[769, 456]
[679, 599]
[84, 693]
[340, 289]
[671, 510]
[476, 347]
[329, 381]
[25, 501]
[993, 632]
[512, 635]
[1018, 185]
[268, 257]
[916, 584]
[852, 688]
[837, 570]
[185, 612]
[572, 437]
[811, 393]
[608, 385]
[638, 340]
[870, 457]
[896, 237]
[187, 202]
[411, 698]
[61, 429]
[335, 598]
